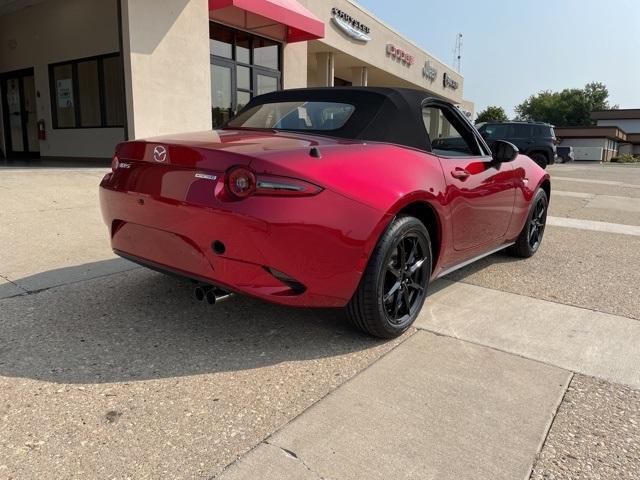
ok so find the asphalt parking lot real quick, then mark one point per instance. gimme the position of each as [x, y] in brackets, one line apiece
[108, 370]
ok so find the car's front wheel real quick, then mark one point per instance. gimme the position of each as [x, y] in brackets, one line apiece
[530, 238]
[394, 285]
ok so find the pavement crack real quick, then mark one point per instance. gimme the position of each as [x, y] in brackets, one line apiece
[8, 280]
[25, 291]
[294, 455]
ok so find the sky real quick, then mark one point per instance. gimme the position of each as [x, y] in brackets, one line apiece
[513, 49]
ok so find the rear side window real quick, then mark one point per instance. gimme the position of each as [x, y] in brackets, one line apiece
[497, 131]
[295, 116]
[522, 131]
[544, 131]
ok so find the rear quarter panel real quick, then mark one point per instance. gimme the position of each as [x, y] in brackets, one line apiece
[385, 177]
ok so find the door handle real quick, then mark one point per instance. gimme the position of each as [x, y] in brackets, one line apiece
[460, 173]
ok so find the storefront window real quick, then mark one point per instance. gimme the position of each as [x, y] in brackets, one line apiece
[220, 41]
[243, 47]
[244, 77]
[265, 53]
[242, 66]
[266, 84]
[88, 93]
[221, 93]
[64, 101]
[113, 90]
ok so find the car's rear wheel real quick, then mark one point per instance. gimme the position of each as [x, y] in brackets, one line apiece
[540, 159]
[394, 285]
[530, 238]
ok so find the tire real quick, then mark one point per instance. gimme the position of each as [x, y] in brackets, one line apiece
[559, 160]
[394, 285]
[540, 159]
[526, 246]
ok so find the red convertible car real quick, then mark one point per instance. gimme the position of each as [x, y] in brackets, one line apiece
[326, 197]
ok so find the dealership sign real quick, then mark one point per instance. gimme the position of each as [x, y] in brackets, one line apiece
[447, 81]
[429, 71]
[350, 26]
[400, 54]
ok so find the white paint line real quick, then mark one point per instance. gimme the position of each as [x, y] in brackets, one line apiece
[577, 339]
[561, 193]
[597, 182]
[603, 202]
[594, 225]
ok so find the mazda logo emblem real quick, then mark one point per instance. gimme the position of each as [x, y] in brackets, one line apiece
[159, 153]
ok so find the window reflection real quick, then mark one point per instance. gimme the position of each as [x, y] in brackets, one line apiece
[265, 53]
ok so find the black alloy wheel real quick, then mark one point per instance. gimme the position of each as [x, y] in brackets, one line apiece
[403, 279]
[537, 223]
[530, 238]
[394, 285]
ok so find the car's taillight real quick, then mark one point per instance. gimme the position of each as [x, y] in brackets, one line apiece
[241, 182]
[284, 186]
[114, 163]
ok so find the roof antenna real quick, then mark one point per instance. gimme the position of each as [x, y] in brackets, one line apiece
[315, 152]
[457, 52]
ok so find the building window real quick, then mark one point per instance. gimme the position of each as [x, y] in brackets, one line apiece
[87, 93]
[242, 66]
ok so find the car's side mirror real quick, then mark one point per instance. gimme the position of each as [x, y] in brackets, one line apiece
[502, 151]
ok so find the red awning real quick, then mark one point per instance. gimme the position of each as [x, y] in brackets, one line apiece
[297, 24]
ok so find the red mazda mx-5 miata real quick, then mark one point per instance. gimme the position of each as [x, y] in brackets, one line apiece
[326, 197]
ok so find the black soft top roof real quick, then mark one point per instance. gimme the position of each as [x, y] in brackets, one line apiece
[381, 114]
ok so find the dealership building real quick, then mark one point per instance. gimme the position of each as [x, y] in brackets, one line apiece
[79, 76]
[617, 132]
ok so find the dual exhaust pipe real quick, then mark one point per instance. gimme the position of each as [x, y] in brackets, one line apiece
[210, 293]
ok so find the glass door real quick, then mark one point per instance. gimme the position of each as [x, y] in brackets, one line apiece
[19, 119]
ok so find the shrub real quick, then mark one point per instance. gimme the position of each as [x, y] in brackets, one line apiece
[626, 158]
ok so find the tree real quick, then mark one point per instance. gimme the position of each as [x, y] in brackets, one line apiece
[571, 106]
[492, 114]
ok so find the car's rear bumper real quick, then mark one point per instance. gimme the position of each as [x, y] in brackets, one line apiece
[321, 242]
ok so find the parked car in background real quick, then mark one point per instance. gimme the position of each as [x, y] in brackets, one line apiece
[565, 154]
[537, 140]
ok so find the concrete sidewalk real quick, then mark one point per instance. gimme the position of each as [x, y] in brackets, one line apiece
[577, 339]
[434, 407]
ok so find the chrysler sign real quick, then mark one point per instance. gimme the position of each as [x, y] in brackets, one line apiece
[350, 26]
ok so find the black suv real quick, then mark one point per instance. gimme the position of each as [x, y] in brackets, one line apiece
[535, 139]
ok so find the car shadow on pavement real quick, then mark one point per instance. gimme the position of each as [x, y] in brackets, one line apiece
[64, 275]
[141, 325]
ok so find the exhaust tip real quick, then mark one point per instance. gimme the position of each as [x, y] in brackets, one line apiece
[211, 297]
[198, 292]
